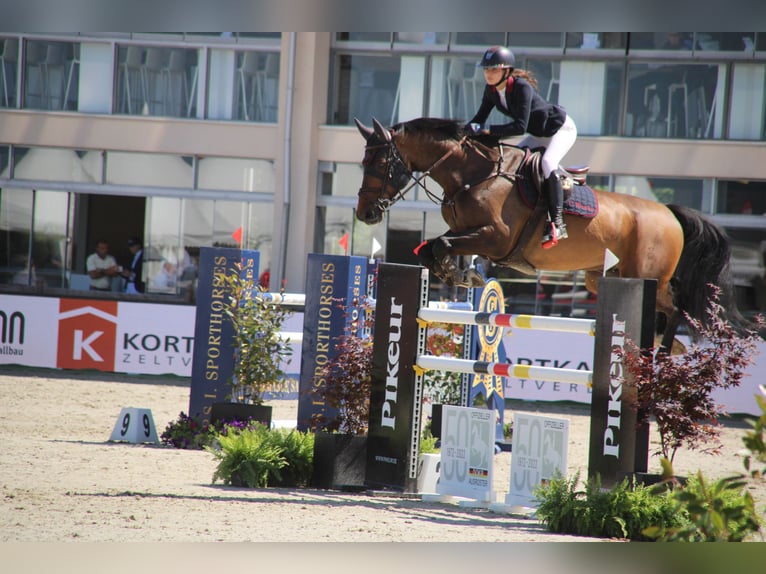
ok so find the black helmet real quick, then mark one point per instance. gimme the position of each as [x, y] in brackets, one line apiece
[497, 57]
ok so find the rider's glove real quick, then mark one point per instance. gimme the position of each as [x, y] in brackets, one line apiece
[474, 129]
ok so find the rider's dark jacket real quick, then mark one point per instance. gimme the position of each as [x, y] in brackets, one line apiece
[530, 113]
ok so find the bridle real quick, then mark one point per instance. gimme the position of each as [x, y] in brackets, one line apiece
[397, 174]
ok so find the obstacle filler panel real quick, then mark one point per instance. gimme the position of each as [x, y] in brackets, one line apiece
[134, 425]
[333, 283]
[467, 453]
[540, 446]
[626, 310]
[213, 358]
[393, 397]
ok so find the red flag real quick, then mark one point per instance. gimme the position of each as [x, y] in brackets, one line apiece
[237, 235]
[343, 242]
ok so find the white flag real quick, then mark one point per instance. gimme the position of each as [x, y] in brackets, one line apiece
[375, 247]
[610, 260]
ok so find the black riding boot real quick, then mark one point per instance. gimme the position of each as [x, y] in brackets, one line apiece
[555, 195]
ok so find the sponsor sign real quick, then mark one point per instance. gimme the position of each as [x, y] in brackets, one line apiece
[393, 377]
[28, 331]
[625, 311]
[539, 452]
[332, 283]
[467, 452]
[213, 357]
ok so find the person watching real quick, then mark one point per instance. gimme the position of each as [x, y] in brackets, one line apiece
[101, 267]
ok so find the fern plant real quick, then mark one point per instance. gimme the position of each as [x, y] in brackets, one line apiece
[623, 512]
[720, 511]
[258, 457]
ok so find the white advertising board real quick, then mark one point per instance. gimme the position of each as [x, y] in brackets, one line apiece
[539, 451]
[575, 351]
[110, 336]
[468, 447]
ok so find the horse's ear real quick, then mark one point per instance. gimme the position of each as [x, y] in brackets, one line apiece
[363, 129]
[381, 131]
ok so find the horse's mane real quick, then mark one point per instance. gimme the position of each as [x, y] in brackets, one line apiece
[448, 128]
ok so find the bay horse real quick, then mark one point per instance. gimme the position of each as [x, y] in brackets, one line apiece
[482, 205]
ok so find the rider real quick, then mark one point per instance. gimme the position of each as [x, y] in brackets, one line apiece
[544, 123]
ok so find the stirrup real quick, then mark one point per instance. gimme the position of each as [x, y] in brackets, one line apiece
[550, 237]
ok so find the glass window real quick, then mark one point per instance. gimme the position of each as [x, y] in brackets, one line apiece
[596, 40]
[672, 100]
[591, 92]
[686, 192]
[743, 197]
[746, 114]
[366, 87]
[479, 38]
[363, 37]
[457, 85]
[51, 75]
[331, 224]
[535, 39]
[9, 56]
[421, 38]
[151, 169]
[48, 261]
[164, 256]
[726, 41]
[255, 175]
[56, 164]
[153, 81]
[661, 41]
[256, 87]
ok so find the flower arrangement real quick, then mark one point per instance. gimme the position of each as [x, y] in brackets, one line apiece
[440, 387]
[187, 432]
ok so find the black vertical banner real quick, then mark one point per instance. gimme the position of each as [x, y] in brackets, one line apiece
[333, 283]
[213, 357]
[393, 377]
[626, 309]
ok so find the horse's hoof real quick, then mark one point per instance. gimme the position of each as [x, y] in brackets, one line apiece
[473, 278]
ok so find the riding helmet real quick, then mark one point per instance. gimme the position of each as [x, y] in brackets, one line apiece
[497, 57]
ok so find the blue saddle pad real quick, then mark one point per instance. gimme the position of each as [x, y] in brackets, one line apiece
[580, 200]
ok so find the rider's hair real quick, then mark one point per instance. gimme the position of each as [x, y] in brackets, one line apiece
[526, 75]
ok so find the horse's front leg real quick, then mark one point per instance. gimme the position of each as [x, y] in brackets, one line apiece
[445, 258]
[443, 266]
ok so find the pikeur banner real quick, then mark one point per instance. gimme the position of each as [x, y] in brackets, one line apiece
[625, 312]
[393, 378]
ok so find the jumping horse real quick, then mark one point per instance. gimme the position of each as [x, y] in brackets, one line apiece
[482, 204]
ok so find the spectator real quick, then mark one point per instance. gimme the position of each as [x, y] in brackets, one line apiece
[134, 274]
[101, 267]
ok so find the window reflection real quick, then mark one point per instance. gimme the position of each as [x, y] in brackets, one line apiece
[597, 40]
[9, 55]
[150, 169]
[671, 101]
[367, 87]
[155, 81]
[51, 75]
[256, 86]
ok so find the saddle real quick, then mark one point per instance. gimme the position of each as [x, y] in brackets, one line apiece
[579, 199]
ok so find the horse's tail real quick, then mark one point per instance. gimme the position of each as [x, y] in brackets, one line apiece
[705, 260]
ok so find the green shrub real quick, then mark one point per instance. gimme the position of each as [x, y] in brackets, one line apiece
[717, 512]
[297, 448]
[258, 457]
[623, 512]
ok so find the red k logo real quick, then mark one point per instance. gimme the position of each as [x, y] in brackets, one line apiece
[87, 334]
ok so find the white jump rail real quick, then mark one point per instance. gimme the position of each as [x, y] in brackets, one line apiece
[537, 322]
[552, 374]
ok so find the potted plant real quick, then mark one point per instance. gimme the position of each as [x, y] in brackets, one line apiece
[677, 390]
[340, 443]
[259, 349]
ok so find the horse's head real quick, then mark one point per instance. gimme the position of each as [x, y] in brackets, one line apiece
[385, 173]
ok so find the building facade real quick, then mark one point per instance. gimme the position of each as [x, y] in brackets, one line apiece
[192, 139]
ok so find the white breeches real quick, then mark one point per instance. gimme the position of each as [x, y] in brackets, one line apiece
[556, 146]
